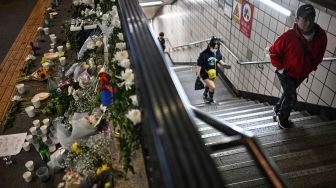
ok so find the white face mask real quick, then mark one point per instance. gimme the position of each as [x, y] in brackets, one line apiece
[213, 50]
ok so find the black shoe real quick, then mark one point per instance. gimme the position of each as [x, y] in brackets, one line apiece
[210, 101]
[275, 112]
[283, 123]
[205, 95]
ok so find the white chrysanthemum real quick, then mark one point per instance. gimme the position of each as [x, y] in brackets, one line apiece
[125, 63]
[82, 12]
[105, 17]
[121, 45]
[99, 43]
[116, 23]
[128, 78]
[134, 115]
[121, 55]
[91, 45]
[121, 36]
[113, 12]
[16, 98]
[30, 57]
[134, 100]
[76, 2]
[92, 63]
[91, 12]
[70, 90]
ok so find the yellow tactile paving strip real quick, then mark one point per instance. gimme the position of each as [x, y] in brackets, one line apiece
[14, 61]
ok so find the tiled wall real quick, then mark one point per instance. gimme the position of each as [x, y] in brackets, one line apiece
[188, 21]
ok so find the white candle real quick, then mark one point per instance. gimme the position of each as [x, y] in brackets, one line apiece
[26, 146]
[44, 129]
[30, 111]
[33, 130]
[46, 30]
[60, 48]
[30, 165]
[62, 61]
[36, 123]
[27, 176]
[21, 88]
[29, 138]
[46, 121]
[36, 102]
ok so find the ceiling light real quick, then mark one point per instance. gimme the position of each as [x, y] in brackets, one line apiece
[277, 7]
[153, 3]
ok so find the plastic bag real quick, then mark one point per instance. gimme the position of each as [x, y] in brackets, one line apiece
[199, 84]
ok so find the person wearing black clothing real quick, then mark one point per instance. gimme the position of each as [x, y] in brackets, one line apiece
[162, 41]
[207, 65]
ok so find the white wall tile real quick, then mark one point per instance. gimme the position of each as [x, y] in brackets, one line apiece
[331, 81]
[321, 73]
[332, 25]
[323, 20]
[264, 32]
[331, 43]
[259, 28]
[271, 36]
[267, 20]
[322, 103]
[280, 28]
[312, 98]
[327, 95]
[316, 87]
[273, 24]
[333, 67]
[269, 86]
[275, 92]
[303, 91]
[334, 104]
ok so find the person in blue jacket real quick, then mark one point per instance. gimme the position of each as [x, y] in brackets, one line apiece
[207, 65]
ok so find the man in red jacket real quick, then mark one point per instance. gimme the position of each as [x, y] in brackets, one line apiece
[295, 54]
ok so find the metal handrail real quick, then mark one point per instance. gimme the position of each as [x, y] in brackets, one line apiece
[237, 59]
[246, 138]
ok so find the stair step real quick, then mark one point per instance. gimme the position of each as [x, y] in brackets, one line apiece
[218, 104]
[259, 121]
[249, 105]
[264, 128]
[306, 159]
[178, 69]
[272, 132]
[265, 120]
[278, 147]
[235, 113]
[323, 176]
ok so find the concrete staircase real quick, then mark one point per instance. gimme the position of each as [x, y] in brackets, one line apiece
[305, 154]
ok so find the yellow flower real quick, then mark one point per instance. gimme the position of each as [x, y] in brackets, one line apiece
[75, 147]
[103, 168]
[99, 171]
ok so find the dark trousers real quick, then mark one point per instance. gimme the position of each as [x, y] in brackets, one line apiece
[289, 96]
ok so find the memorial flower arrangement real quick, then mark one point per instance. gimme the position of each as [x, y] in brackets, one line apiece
[94, 76]
[90, 156]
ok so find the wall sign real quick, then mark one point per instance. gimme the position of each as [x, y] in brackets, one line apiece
[236, 11]
[246, 18]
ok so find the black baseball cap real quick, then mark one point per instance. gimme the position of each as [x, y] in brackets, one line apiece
[214, 41]
[305, 11]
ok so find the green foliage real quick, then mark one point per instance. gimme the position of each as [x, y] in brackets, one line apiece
[129, 133]
[8, 122]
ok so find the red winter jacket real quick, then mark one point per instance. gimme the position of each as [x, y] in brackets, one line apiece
[288, 52]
